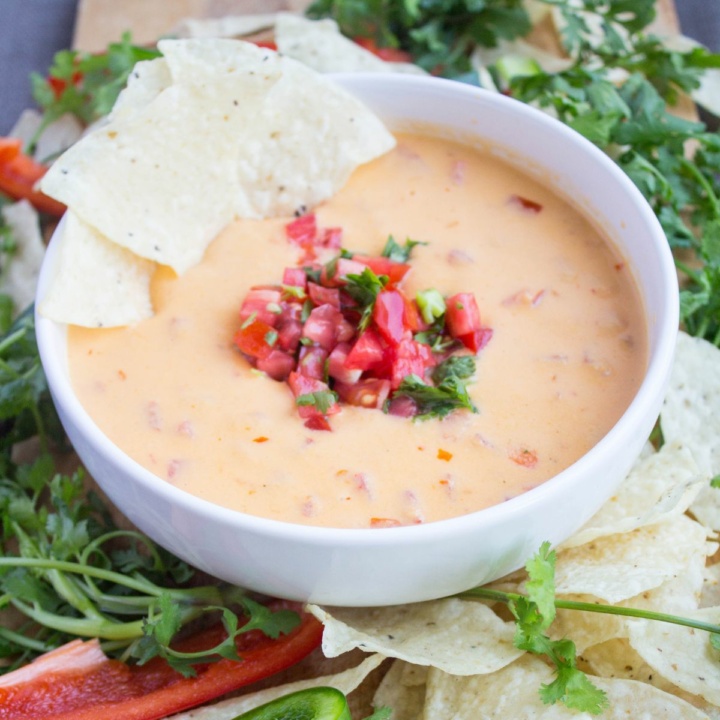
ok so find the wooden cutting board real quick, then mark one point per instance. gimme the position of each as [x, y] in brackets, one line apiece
[100, 22]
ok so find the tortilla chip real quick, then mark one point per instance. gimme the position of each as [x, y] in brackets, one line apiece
[513, 693]
[147, 80]
[682, 655]
[345, 682]
[96, 283]
[660, 486]
[320, 45]
[402, 690]
[230, 26]
[460, 637]
[240, 132]
[19, 271]
[586, 629]
[618, 567]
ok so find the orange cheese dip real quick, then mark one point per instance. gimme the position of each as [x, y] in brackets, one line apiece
[568, 353]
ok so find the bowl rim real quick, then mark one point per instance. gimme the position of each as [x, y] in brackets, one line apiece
[50, 332]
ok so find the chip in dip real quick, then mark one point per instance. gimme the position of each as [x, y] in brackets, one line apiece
[567, 354]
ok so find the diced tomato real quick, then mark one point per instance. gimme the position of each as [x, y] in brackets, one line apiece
[303, 385]
[462, 316]
[295, 277]
[384, 53]
[318, 422]
[322, 325]
[331, 237]
[476, 341]
[395, 271]
[410, 358]
[413, 319]
[342, 267]
[302, 230]
[321, 295]
[367, 353]
[254, 338]
[264, 302]
[277, 364]
[312, 362]
[402, 406]
[289, 334]
[389, 315]
[367, 393]
[336, 365]
[346, 331]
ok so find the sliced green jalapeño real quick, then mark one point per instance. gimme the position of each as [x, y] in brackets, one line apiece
[323, 703]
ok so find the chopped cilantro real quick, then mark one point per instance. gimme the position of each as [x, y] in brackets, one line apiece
[364, 289]
[449, 394]
[323, 400]
[399, 253]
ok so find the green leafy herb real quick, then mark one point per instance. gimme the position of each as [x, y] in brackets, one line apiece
[364, 289]
[449, 394]
[535, 612]
[323, 400]
[399, 253]
[438, 34]
[67, 568]
[86, 85]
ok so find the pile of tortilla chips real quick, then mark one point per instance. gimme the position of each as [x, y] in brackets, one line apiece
[213, 131]
[651, 547]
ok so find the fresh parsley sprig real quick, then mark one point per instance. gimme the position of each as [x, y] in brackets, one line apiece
[67, 570]
[438, 34]
[448, 393]
[534, 613]
[86, 85]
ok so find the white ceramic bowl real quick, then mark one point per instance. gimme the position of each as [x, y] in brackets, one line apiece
[405, 564]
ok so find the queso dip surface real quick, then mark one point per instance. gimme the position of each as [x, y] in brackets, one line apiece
[567, 354]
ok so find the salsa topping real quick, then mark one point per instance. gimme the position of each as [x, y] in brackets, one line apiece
[345, 331]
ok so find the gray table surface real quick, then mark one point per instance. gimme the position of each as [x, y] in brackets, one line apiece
[31, 31]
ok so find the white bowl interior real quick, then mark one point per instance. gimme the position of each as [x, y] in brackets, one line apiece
[397, 565]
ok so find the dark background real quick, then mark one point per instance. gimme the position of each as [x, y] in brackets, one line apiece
[31, 31]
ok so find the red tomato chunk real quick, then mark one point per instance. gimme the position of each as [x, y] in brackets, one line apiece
[345, 332]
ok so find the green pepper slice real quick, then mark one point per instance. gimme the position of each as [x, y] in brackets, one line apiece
[322, 703]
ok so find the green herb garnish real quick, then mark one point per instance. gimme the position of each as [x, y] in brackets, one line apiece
[449, 394]
[399, 253]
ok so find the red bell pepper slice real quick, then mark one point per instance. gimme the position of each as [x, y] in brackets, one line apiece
[388, 54]
[19, 174]
[109, 689]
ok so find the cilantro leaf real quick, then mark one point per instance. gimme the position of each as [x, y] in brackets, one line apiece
[399, 253]
[86, 85]
[533, 616]
[449, 394]
[364, 289]
[323, 400]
